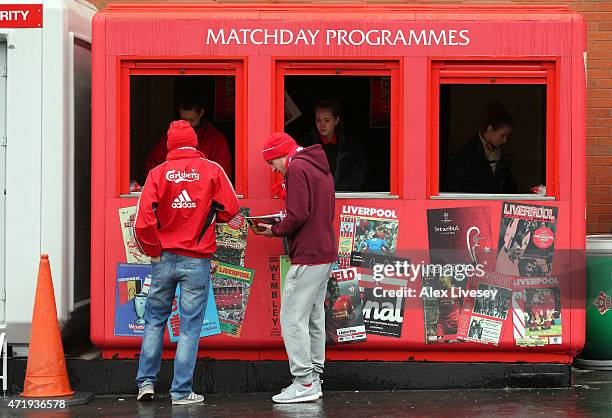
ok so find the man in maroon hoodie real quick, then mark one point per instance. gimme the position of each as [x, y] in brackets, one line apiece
[310, 200]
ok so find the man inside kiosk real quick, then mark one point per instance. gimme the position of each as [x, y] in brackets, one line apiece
[211, 142]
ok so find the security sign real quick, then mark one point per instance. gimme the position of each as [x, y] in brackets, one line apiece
[21, 15]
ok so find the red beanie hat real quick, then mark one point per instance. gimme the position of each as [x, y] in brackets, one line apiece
[278, 145]
[181, 134]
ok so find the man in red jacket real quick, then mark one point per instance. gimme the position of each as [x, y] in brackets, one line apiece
[211, 141]
[308, 226]
[175, 225]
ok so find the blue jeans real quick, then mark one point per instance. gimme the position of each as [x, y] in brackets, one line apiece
[193, 276]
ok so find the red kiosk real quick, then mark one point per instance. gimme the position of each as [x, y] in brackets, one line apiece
[414, 82]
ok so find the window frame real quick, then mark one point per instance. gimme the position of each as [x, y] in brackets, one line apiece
[391, 67]
[541, 71]
[138, 66]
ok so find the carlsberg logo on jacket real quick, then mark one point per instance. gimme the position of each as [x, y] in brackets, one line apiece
[177, 176]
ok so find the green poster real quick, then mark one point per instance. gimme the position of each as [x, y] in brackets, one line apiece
[285, 263]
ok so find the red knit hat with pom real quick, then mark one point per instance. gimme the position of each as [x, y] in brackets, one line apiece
[278, 145]
[181, 134]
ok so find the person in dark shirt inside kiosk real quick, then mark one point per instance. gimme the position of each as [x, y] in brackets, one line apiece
[481, 166]
[346, 159]
[310, 202]
[211, 142]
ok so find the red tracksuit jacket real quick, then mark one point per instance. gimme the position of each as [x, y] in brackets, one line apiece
[179, 204]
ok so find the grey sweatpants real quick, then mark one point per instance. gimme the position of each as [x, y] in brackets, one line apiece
[302, 320]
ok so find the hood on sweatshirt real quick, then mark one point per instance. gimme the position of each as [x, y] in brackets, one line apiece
[315, 156]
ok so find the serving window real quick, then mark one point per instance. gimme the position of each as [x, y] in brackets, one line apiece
[207, 94]
[351, 110]
[493, 130]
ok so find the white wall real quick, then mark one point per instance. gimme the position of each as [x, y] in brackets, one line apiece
[38, 159]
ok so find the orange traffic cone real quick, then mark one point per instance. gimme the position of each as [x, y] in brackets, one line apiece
[46, 373]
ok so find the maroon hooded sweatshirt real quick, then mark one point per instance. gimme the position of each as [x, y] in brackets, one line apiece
[310, 209]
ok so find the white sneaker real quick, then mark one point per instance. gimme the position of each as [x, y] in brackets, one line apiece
[317, 382]
[296, 392]
[189, 399]
[145, 393]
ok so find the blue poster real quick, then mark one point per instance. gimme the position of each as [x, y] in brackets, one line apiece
[133, 284]
[210, 326]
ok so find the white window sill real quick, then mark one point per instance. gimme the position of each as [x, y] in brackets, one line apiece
[365, 195]
[137, 195]
[484, 196]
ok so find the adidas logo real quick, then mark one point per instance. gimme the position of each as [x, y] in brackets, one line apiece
[183, 201]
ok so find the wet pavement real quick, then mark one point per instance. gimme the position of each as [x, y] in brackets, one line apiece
[589, 396]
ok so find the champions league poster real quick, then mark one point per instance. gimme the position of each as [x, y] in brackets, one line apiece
[132, 289]
[457, 236]
[460, 236]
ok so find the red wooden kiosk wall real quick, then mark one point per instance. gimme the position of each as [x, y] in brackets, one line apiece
[544, 43]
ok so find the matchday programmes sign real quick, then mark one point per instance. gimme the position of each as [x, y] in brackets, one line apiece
[21, 15]
[338, 37]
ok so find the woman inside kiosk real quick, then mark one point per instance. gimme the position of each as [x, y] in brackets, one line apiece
[481, 166]
[346, 159]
